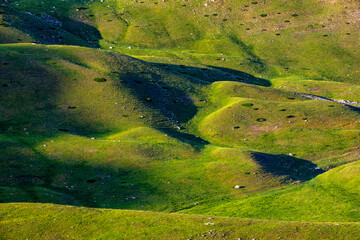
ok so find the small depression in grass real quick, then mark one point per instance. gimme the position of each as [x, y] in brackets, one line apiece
[100, 79]
[290, 116]
[261, 119]
[247, 104]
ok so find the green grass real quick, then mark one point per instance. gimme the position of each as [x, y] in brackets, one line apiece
[48, 221]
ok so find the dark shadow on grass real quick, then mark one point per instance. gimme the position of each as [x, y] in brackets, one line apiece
[295, 168]
[212, 74]
[354, 108]
[195, 141]
[46, 29]
[28, 175]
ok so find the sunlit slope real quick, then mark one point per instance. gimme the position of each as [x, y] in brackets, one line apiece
[48, 221]
[309, 38]
[279, 121]
[332, 196]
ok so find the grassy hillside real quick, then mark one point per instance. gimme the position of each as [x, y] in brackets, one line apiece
[331, 195]
[230, 108]
[309, 39]
[105, 130]
[63, 222]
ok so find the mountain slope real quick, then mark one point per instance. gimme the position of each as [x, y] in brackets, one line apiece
[226, 108]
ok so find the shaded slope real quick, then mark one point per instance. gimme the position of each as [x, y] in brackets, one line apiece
[17, 27]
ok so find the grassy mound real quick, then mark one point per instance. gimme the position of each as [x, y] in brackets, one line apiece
[310, 129]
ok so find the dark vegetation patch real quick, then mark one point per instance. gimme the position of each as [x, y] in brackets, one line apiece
[294, 168]
[63, 130]
[261, 119]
